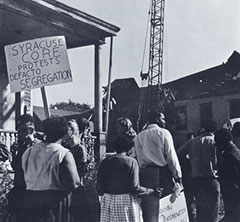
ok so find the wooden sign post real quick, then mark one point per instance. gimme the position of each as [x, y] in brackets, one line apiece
[45, 103]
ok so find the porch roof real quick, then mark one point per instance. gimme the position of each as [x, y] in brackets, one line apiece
[29, 19]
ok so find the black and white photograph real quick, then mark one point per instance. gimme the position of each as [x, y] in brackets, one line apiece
[119, 111]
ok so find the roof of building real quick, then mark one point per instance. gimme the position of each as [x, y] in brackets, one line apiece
[124, 83]
[220, 80]
[31, 19]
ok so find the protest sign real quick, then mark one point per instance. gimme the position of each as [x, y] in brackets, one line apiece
[37, 63]
[173, 212]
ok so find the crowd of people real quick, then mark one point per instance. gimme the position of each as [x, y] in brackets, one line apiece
[56, 178]
[211, 170]
[54, 172]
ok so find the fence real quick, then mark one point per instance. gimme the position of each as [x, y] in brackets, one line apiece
[8, 137]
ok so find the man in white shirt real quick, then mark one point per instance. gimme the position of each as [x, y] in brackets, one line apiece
[154, 146]
[157, 159]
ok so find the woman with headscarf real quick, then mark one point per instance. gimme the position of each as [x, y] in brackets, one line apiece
[124, 128]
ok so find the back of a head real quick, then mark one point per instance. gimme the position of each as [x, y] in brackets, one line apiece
[210, 125]
[236, 129]
[153, 116]
[54, 128]
[123, 125]
[156, 117]
[83, 123]
[122, 144]
[123, 121]
[222, 137]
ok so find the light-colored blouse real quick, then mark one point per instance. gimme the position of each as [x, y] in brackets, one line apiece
[40, 164]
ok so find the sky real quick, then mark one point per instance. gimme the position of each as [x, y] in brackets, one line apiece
[197, 35]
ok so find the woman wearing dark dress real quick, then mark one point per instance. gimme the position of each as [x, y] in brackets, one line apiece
[118, 184]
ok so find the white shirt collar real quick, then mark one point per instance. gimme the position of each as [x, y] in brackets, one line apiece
[150, 126]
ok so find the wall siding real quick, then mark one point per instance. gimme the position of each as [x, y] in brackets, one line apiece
[220, 105]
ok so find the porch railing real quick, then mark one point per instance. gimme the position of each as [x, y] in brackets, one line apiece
[8, 137]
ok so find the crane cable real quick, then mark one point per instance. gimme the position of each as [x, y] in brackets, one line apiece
[165, 43]
[142, 94]
[146, 36]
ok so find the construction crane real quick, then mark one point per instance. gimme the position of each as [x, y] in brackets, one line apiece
[151, 96]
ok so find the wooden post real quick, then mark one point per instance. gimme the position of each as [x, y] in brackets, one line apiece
[97, 93]
[100, 148]
[45, 103]
[109, 86]
[17, 107]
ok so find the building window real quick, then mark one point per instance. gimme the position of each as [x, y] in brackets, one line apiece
[234, 107]
[205, 112]
[181, 118]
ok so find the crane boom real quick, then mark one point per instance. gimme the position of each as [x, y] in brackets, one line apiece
[155, 72]
[156, 42]
[151, 97]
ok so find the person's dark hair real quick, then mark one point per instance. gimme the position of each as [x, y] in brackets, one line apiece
[25, 118]
[153, 116]
[124, 122]
[210, 125]
[54, 128]
[236, 129]
[122, 144]
[83, 123]
[124, 126]
[222, 136]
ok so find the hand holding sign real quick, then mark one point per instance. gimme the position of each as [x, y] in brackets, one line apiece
[176, 192]
[173, 211]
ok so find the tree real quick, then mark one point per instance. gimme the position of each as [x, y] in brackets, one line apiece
[71, 106]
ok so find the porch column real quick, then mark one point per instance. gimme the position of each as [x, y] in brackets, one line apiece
[100, 146]
[18, 107]
[97, 93]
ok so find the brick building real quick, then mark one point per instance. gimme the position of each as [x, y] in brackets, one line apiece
[211, 93]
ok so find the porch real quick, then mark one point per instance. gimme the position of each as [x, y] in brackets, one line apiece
[30, 19]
